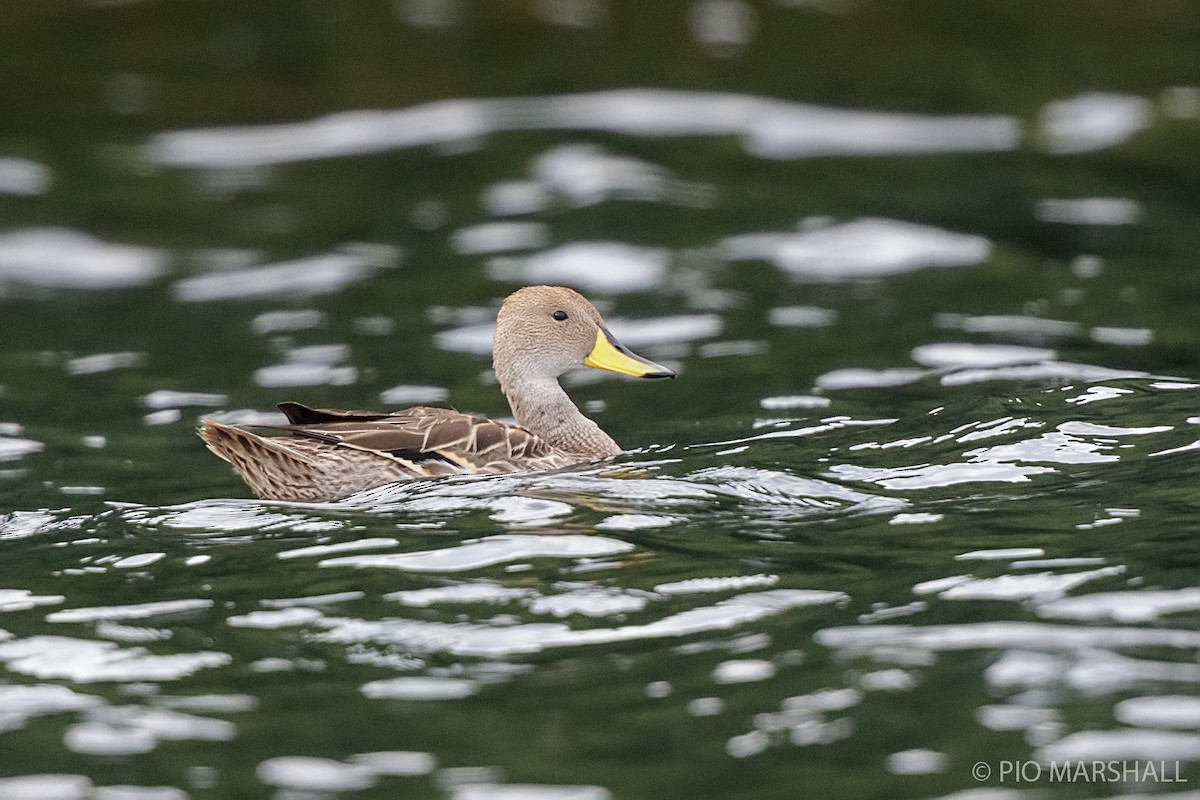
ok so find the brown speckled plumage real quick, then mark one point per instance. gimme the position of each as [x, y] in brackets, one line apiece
[331, 454]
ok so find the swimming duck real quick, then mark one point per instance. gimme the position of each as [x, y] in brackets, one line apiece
[541, 332]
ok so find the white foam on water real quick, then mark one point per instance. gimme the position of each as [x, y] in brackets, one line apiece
[61, 258]
[310, 774]
[1092, 121]
[947, 354]
[24, 177]
[313, 600]
[489, 551]
[864, 248]
[413, 394]
[420, 688]
[1101, 211]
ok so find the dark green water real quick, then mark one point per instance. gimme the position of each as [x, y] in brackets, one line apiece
[923, 497]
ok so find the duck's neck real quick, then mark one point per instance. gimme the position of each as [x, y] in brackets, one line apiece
[543, 408]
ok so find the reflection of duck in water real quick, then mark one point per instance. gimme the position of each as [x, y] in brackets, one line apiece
[541, 332]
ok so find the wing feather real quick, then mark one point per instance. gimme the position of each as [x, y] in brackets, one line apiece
[428, 441]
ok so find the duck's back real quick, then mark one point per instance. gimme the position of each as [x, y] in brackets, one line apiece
[333, 453]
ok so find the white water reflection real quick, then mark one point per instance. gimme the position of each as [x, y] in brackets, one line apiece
[1102, 211]
[305, 277]
[1169, 711]
[86, 661]
[600, 267]
[1145, 605]
[586, 174]
[484, 640]
[477, 339]
[24, 177]
[1092, 121]
[20, 704]
[766, 127]
[864, 248]
[491, 550]
[69, 259]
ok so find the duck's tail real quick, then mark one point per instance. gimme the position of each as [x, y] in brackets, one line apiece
[270, 469]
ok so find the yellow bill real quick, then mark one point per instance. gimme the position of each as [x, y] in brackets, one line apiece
[613, 356]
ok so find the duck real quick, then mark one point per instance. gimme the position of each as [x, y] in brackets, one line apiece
[541, 333]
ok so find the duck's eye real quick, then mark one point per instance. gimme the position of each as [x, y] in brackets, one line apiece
[559, 315]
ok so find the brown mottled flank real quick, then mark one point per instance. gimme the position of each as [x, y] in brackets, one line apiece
[331, 454]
